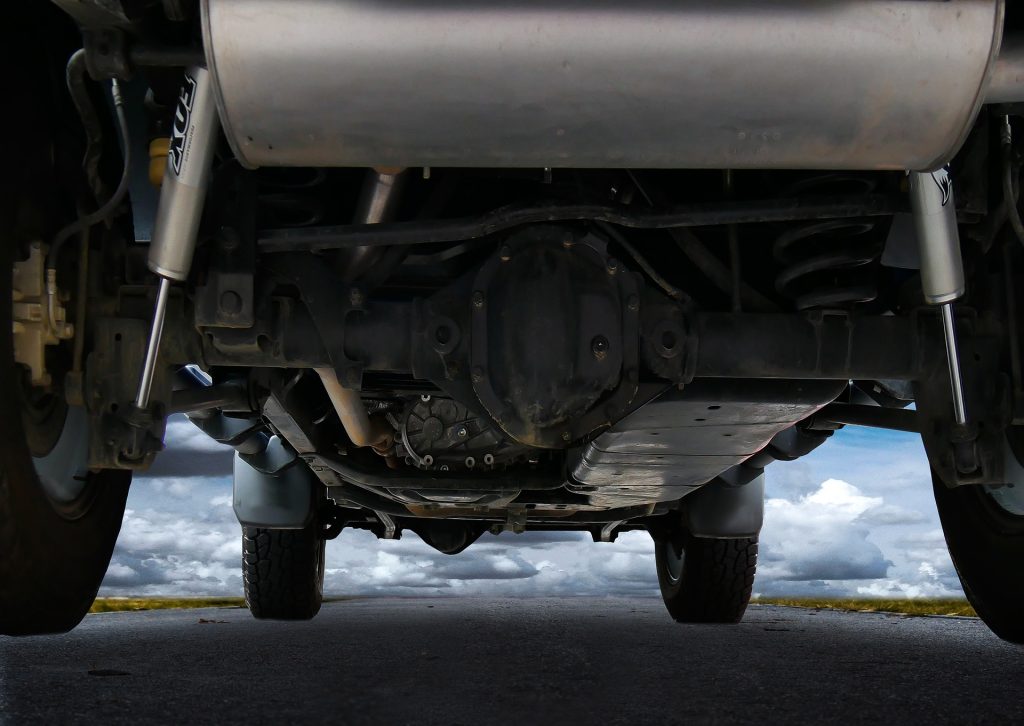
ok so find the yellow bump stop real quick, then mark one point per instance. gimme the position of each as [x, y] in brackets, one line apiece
[158, 159]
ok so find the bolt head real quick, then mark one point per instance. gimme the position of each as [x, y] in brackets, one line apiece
[599, 347]
[478, 299]
[612, 265]
[505, 253]
[355, 297]
[633, 303]
[462, 432]
[566, 436]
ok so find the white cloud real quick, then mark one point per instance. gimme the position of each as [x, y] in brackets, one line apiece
[891, 514]
[172, 486]
[930, 583]
[818, 537]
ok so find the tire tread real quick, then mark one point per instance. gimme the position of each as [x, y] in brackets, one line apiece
[716, 582]
[283, 572]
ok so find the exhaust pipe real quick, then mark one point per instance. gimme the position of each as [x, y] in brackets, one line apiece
[1007, 83]
[377, 204]
[767, 84]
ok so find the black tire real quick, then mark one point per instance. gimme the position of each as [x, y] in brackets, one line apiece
[986, 544]
[54, 551]
[705, 580]
[283, 570]
[51, 566]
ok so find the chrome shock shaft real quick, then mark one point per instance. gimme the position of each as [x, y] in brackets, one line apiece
[156, 332]
[942, 272]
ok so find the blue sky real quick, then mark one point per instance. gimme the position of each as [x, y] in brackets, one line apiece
[854, 518]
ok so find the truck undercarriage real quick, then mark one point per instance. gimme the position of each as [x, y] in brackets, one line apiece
[584, 267]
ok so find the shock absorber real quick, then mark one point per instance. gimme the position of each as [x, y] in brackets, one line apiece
[182, 194]
[942, 272]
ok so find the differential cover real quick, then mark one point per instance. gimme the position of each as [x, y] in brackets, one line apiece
[555, 341]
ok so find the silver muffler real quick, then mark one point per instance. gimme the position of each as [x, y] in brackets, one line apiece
[768, 84]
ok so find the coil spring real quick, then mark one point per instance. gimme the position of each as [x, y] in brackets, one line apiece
[826, 264]
[291, 197]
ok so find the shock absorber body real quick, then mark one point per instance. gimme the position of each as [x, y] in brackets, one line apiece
[182, 194]
[942, 271]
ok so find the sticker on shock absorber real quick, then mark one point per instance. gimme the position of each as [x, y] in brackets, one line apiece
[182, 124]
[944, 183]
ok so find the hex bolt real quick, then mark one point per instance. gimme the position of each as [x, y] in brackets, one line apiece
[355, 297]
[566, 436]
[633, 303]
[506, 253]
[478, 299]
[462, 432]
[612, 266]
[599, 347]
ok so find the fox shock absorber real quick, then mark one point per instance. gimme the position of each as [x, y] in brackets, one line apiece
[942, 272]
[190, 155]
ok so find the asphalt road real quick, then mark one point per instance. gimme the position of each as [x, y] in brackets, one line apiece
[476, 661]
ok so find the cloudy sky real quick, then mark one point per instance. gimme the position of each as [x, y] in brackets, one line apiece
[855, 518]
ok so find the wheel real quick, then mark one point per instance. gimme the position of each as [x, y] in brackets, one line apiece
[705, 580]
[57, 527]
[58, 521]
[984, 530]
[283, 570]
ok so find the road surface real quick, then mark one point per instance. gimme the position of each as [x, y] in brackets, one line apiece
[481, 661]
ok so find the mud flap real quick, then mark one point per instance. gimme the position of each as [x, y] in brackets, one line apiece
[273, 489]
[723, 511]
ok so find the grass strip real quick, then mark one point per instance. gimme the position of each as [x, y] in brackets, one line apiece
[122, 604]
[931, 606]
[945, 606]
